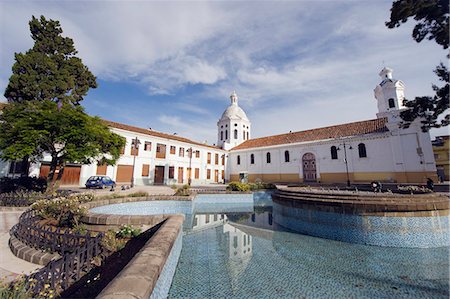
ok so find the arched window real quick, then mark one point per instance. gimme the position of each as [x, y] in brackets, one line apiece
[238, 160]
[362, 150]
[226, 134]
[252, 159]
[391, 103]
[235, 134]
[221, 135]
[243, 135]
[268, 157]
[334, 154]
[247, 135]
[286, 156]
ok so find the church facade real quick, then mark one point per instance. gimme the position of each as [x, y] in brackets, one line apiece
[364, 151]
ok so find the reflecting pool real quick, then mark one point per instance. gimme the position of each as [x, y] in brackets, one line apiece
[237, 250]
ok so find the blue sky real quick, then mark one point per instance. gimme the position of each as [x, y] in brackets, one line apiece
[171, 66]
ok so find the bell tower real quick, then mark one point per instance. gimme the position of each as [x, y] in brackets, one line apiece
[389, 94]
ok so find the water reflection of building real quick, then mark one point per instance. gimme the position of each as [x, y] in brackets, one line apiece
[238, 249]
[205, 221]
[262, 220]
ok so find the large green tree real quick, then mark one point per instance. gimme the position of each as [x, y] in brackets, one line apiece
[44, 115]
[432, 17]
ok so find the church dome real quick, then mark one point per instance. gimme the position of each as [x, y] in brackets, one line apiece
[234, 111]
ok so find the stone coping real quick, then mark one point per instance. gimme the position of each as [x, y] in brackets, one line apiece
[139, 277]
[29, 254]
[95, 221]
[348, 202]
[110, 201]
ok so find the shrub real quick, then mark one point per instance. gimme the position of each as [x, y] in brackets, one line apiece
[8, 185]
[66, 212]
[21, 288]
[414, 189]
[15, 290]
[261, 185]
[238, 186]
[82, 198]
[128, 231]
[183, 191]
[111, 243]
[138, 194]
[80, 228]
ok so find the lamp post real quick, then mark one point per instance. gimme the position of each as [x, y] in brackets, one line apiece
[346, 162]
[135, 145]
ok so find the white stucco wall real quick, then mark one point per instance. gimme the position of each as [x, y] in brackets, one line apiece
[385, 153]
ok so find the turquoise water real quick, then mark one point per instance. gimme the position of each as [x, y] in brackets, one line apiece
[243, 253]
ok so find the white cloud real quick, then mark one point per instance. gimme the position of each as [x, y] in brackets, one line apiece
[190, 129]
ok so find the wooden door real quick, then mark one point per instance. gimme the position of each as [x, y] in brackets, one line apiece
[71, 174]
[159, 175]
[101, 169]
[180, 175]
[216, 176]
[309, 167]
[124, 173]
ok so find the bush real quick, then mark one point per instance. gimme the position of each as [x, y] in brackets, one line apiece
[261, 185]
[111, 243]
[128, 231]
[183, 191]
[8, 185]
[413, 189]
[238, 186]
[138, 194]
[82, 198]
[17, 289]
[66, 212]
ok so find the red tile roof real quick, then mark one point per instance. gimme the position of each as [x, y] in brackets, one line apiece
[155, 133]
[345, 130]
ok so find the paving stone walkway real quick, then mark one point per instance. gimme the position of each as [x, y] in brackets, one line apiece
[10, 265]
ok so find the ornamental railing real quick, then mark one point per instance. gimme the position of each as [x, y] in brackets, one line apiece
[60, 274]
[77, 250]
[44, 237]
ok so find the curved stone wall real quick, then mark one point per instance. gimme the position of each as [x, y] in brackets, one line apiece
[394, 221]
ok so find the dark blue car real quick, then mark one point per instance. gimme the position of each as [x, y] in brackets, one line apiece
[100, 181]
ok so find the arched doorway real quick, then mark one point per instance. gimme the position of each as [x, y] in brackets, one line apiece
[309, 167]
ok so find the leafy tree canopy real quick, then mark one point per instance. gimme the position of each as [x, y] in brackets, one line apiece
[432, 18]
[44, 114]
[33, 128]
[49, 70]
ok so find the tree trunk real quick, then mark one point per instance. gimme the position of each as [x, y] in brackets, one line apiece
[56, 184]
[51, 173]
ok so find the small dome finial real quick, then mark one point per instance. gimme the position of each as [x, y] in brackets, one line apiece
[234, 98]
[386, 73]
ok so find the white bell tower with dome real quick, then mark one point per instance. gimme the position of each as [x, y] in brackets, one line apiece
[389, 94]
[234, 127]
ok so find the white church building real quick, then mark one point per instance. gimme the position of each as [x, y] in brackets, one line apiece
[363, 151]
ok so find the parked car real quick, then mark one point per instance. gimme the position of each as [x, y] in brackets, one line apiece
[100, 181]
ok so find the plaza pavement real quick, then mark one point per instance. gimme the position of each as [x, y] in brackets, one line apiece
[10, 265]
